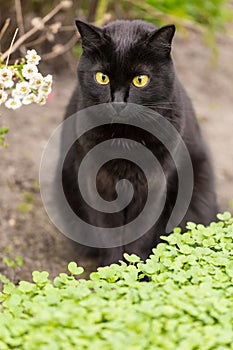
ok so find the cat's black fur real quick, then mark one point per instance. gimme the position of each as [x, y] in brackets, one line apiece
[122, 50]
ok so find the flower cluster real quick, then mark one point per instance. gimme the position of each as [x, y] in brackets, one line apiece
[22, 84]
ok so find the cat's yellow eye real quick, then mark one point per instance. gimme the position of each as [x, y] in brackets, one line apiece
[102, 78]
[140, 80]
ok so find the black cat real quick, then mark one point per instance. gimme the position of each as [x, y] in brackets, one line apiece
[129, 62]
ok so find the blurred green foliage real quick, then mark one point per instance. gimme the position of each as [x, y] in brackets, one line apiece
[3, 131]
[213, 14]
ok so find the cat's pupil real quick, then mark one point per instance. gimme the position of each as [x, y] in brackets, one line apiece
[103, 77]
[140, 80]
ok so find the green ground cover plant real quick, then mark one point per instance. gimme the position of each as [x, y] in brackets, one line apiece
[180, 298]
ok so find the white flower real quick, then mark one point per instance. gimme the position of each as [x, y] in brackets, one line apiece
[3, 96]
[22, 88]
[29, 99]
[45, 87]
[48, 80]
[32, 57]
[36, 81]
[16, 95]
[41, 99]
[1, 85]
[13, 103]
[6, 76]
[45, 90]
[29, 70]
[9, 84]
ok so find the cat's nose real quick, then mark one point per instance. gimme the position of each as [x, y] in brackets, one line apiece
[119, 107]
[119, 96]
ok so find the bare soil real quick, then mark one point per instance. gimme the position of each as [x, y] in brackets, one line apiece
[26, 230]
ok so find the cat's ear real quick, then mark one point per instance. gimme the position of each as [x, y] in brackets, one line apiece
[162, 38]
[91, 35]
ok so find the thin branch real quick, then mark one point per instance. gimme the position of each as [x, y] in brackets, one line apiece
[62, 48]
[11, 45]
[19, 18]
[53, 12]
[37, 41]
[4, 28]
[20, 41]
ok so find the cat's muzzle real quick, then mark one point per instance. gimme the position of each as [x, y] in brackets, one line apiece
[118, 108]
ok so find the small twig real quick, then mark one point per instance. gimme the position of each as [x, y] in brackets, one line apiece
[19, 18]
[37, 41]
[69, 45]
[64, 48]
[20, 41]
[11, 45]
[53, 12]
[42, 38]
[4, 28]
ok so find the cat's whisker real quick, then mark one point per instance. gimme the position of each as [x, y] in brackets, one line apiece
[164, 108]
[161, 103]
[147, 119]
[152, 105]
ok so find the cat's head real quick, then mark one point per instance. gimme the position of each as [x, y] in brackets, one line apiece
[125, 61]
